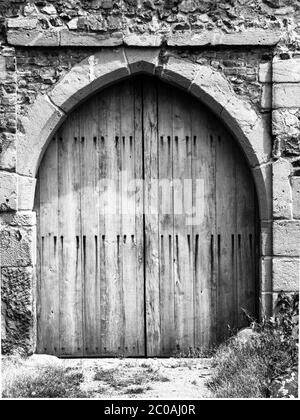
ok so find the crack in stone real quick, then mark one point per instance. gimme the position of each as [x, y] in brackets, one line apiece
[59, 109]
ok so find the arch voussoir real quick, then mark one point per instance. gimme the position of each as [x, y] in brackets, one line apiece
[143, 60]
[35, 130]
[91, 74]
[179, 72]
[214, 95]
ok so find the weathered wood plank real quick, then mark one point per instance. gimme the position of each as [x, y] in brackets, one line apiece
[166, 220]
[115, 317]
[139, 218]
[183, 232]
[151, 218]
[132, 302]
[70, 243]
[88, 124]
[48, 312]
[128, 220]
[226, 229]
[246, 271]
[102, 193]
[204, 196]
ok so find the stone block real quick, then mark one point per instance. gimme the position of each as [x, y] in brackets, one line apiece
[217, 37]
[35, 129]
[19, 218]
[286, 95]
[30, 10]
[286, 238]
[89, 75]
[180, 72]
[17, 308]
[282, 192]
[8, 191]
[256, 128]
[66, 94]
[143, 40]
[33, 37]
[109, 66]
[17, 246]
[286, 274]
[3, 72]
[286, 71]
[266, 97]
[142, 60]
[214, 95]
[266, 274]
[22, 23]
[266, 238]
[286, 122]
[265, 73]
[82, 39]
[49, 9]
[26, 192]
[296, 196]
[263, 181]
[187, 6]
[8, 151]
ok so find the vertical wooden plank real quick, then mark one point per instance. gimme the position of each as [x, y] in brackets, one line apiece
[139, 218]
[245, 216]
[226, 228]
[127, 219]
[89, 223]
[102, 197]
[183, 232]
[48, 314]
[98, 231]
[204, 196]
[70, 243]
[151, 218]
[166, 220]
[133, 304]
[115, 316]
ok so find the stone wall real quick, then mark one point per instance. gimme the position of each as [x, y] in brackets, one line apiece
[254, 45]
[76, 22]
[8, 110]
[286, 153]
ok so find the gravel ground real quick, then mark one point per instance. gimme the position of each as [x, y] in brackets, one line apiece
[145, 378]
[172, 378]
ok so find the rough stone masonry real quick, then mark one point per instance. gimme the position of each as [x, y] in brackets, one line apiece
[254, 47]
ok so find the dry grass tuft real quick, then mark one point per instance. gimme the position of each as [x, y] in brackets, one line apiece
[134, 381]
[22, 381]
[264, 366]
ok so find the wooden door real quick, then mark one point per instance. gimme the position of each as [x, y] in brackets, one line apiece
[91, 277]
[201, 238]
[147, 227]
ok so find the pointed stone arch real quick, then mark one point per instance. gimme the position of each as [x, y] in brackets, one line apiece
[109, 66]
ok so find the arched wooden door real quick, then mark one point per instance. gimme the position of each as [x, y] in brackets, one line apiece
[166, 262]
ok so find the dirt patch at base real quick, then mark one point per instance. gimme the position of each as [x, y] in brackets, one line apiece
[147, 379]
[42, 376]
